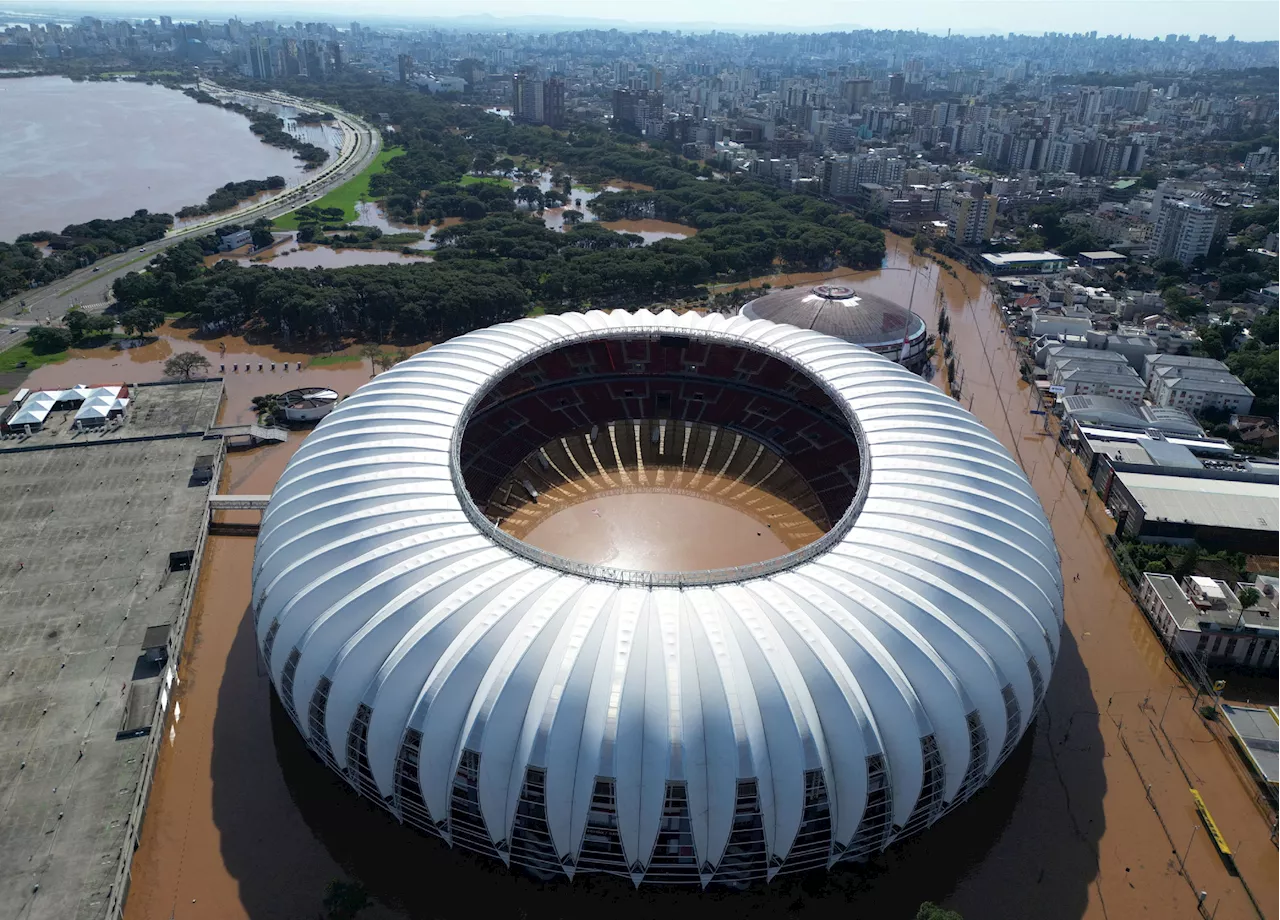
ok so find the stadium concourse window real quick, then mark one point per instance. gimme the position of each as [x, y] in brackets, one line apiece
[600, 409]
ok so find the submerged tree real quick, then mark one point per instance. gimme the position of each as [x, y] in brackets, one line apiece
[186, 365]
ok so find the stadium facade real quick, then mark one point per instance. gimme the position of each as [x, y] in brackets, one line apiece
[700, 727]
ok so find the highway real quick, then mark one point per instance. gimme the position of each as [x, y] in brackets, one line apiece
[90, 287]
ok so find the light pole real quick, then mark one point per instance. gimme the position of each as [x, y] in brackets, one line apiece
[1187, 851]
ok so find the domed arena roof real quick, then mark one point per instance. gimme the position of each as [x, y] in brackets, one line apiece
[841, 311]
[696, 727]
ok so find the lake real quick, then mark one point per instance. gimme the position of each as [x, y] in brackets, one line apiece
[71, 152]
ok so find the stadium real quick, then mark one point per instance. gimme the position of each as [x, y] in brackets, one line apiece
[855, 316]
[859, 624]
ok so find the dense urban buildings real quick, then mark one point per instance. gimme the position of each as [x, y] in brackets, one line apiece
[622, 272]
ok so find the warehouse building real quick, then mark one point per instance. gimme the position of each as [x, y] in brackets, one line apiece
[1176, 505]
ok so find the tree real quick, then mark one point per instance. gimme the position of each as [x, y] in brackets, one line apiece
[344, 900]
[134, 288]
[373, 352]
[1248, 597]
[186, 365]
[530, 195]
[48, 339]
[920, 242]
[930, 911]
[1264, 328]
[139, 321]
[261, 237]
[571, 216]
[83, 324]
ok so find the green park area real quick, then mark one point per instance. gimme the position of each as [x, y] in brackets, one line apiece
[346, 195]
[23, 354]
[485, 180]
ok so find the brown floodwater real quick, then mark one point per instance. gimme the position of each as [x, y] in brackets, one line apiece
[580, 199]
[80, 151]
[657, 532]
[651, 230]
[289, 253]
[244, 823]
[238, 366]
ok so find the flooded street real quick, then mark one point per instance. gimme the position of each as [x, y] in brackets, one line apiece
[244, 823]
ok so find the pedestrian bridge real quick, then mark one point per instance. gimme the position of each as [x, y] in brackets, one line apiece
[238, 502]
[253, 435]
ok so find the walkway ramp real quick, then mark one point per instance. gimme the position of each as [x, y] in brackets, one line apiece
[254, 434]
[238, 502]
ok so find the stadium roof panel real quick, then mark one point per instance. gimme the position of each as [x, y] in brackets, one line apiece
[844, 697]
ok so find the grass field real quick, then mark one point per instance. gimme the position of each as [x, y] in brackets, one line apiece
[10, 358]
[485, 180]
[346, 195]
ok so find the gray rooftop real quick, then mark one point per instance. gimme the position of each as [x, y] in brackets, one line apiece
[839, 310]
[1197, 378]
[85, 536]
[154, 409]
[1107, 410]
[1259, 734]
[1096, 372]
[1164, 359]
[1207, 502]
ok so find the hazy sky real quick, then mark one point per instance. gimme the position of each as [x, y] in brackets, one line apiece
[1246, 19]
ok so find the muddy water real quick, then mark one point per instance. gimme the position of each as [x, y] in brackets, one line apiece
[242, 379]
[656, 532]
[289, 253]
[651, 230]
[244, 823]
[80, 151]
[580, 199]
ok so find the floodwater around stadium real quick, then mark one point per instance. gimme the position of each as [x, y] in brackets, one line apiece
[250, 370]
[244, 823]
[657, 532]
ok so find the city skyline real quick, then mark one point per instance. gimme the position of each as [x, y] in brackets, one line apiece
[1247, 20]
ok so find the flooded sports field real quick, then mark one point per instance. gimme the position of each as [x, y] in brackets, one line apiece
[1091, 817]
[657, 532]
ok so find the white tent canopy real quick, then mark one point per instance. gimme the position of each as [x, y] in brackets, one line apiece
[35, 409]
[101, 403]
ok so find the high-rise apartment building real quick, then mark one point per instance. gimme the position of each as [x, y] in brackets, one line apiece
[538, 102]
[972, 218]
[1184, 230]
[553, 102]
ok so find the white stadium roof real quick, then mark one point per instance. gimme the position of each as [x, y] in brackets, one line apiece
[842, 696]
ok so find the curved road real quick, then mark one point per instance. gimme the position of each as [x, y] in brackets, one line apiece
[90, 287]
